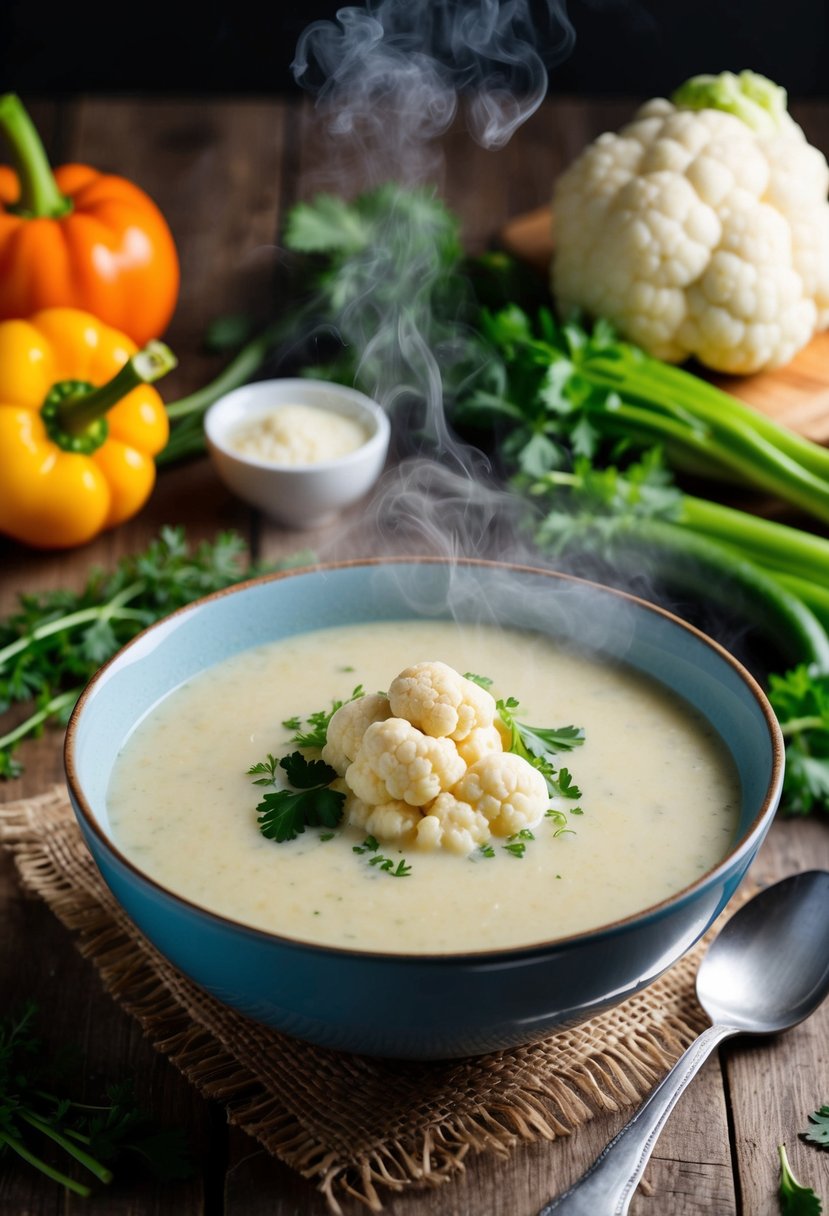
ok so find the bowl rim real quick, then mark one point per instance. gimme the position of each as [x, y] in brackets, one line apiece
[736, 852]
[376, 442]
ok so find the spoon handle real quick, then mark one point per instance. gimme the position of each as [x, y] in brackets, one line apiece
[608, 1185]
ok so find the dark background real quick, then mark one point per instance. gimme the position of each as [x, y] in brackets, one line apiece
[629, 47]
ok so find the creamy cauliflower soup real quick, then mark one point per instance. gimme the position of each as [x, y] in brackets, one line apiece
[658, 805]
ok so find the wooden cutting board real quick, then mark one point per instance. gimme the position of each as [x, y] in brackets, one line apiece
[796, 395]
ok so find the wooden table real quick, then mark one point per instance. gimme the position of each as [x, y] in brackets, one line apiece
[225, 173]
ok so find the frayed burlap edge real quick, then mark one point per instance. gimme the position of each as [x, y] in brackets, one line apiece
[541, 1091]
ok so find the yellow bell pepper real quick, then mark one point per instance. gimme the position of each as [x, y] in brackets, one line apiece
[79, 426]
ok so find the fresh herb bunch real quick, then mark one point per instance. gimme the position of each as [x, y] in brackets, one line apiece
[96, 1137]
[56, 640]
[635, 518]
[564, 390]
[382, 275]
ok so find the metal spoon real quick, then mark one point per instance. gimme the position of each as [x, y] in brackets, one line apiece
[767, 971]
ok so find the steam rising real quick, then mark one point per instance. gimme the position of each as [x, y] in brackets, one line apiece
[390, 79]
[397, 68]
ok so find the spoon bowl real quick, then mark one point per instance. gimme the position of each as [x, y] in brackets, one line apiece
[769, 967]
[766, 971]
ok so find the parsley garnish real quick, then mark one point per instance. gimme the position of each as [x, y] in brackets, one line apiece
[483, 681]
[795, 1199]
[516, 844]
[315, 735]
[401, 870]
[94, 1136]
[285, 813]
[818, 1131]
[371, 845]
[537, 745]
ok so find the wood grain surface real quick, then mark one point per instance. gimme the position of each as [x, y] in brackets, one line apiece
[224, 173]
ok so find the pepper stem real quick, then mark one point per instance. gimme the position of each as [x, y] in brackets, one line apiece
[39, 197]
[76, 412]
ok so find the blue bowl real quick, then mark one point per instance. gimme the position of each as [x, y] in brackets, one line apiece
[422, 1006]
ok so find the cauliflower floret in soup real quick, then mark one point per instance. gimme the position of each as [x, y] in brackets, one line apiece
[506, 790]
[440, 702]
[397, 762]
[452, 824]
[347, 727]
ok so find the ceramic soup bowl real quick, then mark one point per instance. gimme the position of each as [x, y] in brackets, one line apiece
[422, 1005]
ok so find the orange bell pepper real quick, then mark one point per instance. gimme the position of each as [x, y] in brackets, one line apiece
[75, 459]
[80, 238]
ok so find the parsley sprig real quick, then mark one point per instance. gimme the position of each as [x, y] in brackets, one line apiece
[818, 1130]
[315, 734]
[538, 745]
[284, 814]
[795, 1198]
[95, 1137]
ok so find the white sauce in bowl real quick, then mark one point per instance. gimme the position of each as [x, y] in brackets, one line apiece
[298, 435]
[660, 798]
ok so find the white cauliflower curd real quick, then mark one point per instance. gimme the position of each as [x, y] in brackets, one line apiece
[427, 764]
[347, 727]
[701, 228]
[435, 698]
[397, 762]
[506, 790]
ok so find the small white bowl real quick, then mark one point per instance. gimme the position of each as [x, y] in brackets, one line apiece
[298, 496]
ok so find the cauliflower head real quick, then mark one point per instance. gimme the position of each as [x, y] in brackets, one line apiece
[347, 727]
[506, 790]
[701, 228]
[440, 702]
[396, 762]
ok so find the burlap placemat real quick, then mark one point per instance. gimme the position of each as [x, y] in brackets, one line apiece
[356, 1126]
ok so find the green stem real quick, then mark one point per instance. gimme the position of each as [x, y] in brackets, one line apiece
[240, 369]
[709, 571]
[76, 412]
[659, 386]
[717, 404]
[749, 457]
[815, 597]
[20, 1148]
[39, 197]
[95, 1167]
[713, 571]
[54, 706]
[787, 549]
[113, 610]
[186, 414]
[795, 725]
